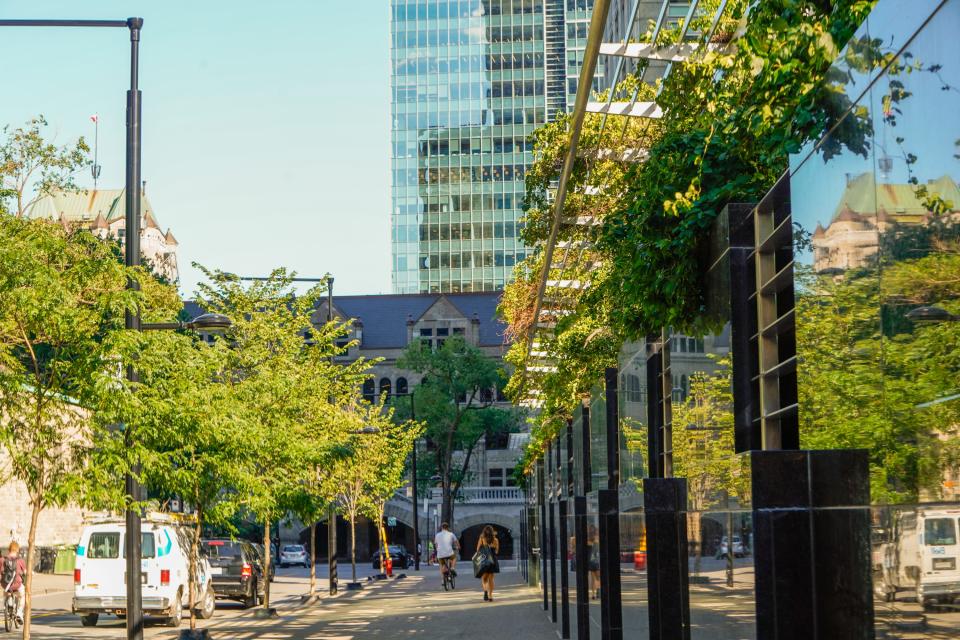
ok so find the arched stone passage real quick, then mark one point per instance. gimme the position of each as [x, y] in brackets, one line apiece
[511, 523]
[470, 536]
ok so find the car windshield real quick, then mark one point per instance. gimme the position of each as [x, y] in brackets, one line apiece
[221, 549]
[940, 531]
[292, 548]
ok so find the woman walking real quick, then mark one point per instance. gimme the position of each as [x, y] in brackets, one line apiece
[593, 561]
[488, 539]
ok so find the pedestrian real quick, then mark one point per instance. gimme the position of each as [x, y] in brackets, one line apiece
[12, 574]
[488, 539]
[593, 561]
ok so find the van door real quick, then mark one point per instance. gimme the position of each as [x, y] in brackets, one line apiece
[940, 570]
[103, 568]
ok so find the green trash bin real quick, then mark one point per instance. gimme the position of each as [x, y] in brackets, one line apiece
[66, 560]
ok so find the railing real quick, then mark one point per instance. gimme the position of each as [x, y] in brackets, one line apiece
[488, 495]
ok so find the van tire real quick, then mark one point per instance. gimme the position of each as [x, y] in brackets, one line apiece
[207, 605]
[176, 618]
[89, 619]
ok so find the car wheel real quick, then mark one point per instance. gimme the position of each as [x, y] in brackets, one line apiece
[89, 620]
[250, 600]
[207, 606]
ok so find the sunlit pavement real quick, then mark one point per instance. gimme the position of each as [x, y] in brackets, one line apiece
[413, 606]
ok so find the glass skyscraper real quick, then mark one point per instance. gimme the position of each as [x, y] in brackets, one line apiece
[471, 80]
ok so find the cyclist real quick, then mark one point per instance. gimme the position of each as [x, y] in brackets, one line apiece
[447, 548]
[12, 573]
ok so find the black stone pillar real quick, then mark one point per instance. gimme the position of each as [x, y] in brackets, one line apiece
[581, 554]
[542, 499]
[551, 510]
[564, 571]
[665, 501]
[811, 527]
[611, 613]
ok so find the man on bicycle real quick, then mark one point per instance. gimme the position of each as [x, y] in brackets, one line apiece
[447, 548]
[12, 573]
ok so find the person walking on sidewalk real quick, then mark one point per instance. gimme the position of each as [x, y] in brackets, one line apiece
[447, 548]
[12, 575]
[488, 539]
[593, 561]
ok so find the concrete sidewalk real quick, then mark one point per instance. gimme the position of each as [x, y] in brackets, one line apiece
[414, 606]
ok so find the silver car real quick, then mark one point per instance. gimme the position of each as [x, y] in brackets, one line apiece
[294, 554]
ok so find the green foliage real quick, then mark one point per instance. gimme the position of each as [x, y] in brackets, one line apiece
[31, 166]
[455, 403]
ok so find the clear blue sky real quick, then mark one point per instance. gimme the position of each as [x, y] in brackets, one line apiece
[265, 124]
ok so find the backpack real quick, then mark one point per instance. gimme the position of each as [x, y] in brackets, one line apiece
[9, 572]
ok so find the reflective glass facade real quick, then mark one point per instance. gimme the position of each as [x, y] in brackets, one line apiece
[471, 80]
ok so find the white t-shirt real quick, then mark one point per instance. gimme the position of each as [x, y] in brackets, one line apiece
[445, 541]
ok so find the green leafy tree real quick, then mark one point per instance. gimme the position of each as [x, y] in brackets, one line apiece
[31, 166]
[61, 297]
[190, 435]
[267, 350]
[455, 402]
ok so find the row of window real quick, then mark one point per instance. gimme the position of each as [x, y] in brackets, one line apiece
[448, 204]
[469, 146]
[455, 175]
[684, 344]
[432, 65]
[432, 10]
[472, 118]
[386, 388]
[470, 259]
[469, 231]
[470, 90]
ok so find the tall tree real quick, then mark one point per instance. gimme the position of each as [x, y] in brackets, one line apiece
[62, 296]
[455, 400]
[31, 166]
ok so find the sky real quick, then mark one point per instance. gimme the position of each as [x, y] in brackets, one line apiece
[266, 133]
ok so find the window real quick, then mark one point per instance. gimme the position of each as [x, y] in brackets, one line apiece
[496, 477]
[939, 532]
[385, 387]
[509, 480]
[401, 386]
[148, 546]
[368, 390]
[104, 545]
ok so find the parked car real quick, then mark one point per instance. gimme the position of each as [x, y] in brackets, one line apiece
[273, 558]
[98, 576]
[236, 570]
[400, 556]
[739, 550]
[294, 554]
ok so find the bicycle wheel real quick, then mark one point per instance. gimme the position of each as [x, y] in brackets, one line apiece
[7, 618]
[453, 582]
[446, 581]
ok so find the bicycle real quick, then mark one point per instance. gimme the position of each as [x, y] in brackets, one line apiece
[11, 602]
[449, 577]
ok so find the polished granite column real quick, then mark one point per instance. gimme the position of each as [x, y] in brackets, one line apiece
[668, 594]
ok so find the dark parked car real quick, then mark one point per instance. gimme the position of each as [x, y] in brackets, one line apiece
[236, 570]
[400, 556]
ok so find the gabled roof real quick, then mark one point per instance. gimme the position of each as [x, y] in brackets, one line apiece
[85, 205]
[385, 317]
[865, 197]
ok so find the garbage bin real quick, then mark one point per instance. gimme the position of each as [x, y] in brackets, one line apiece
[66, 559]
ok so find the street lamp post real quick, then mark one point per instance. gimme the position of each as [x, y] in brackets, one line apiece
[134, 603]
[332, 512]
[416, 507]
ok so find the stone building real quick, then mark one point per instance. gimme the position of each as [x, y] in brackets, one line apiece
[103, 212]
[383, 326]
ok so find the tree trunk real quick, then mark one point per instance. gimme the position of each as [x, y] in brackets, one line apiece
[313, 557]
[266, 565]
[31, 554]
[192, 571]
[353, 545]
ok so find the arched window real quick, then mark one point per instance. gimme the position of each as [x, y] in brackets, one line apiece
[385, 387]
[486, 395]
[401, 386]
[684, 387]
[368, 390]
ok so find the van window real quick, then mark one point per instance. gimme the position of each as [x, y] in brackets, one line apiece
[148, 546]
[939, 531]
[104, 545]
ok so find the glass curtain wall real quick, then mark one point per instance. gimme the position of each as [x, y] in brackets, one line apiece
[878, 298]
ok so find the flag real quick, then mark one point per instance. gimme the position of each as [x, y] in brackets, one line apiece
[95, 118]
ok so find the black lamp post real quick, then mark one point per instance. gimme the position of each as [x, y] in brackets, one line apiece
[931, 315]
[332, 512]
[134, 602]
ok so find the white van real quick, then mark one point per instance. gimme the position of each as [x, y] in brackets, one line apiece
[920, 552]
[100, 574]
